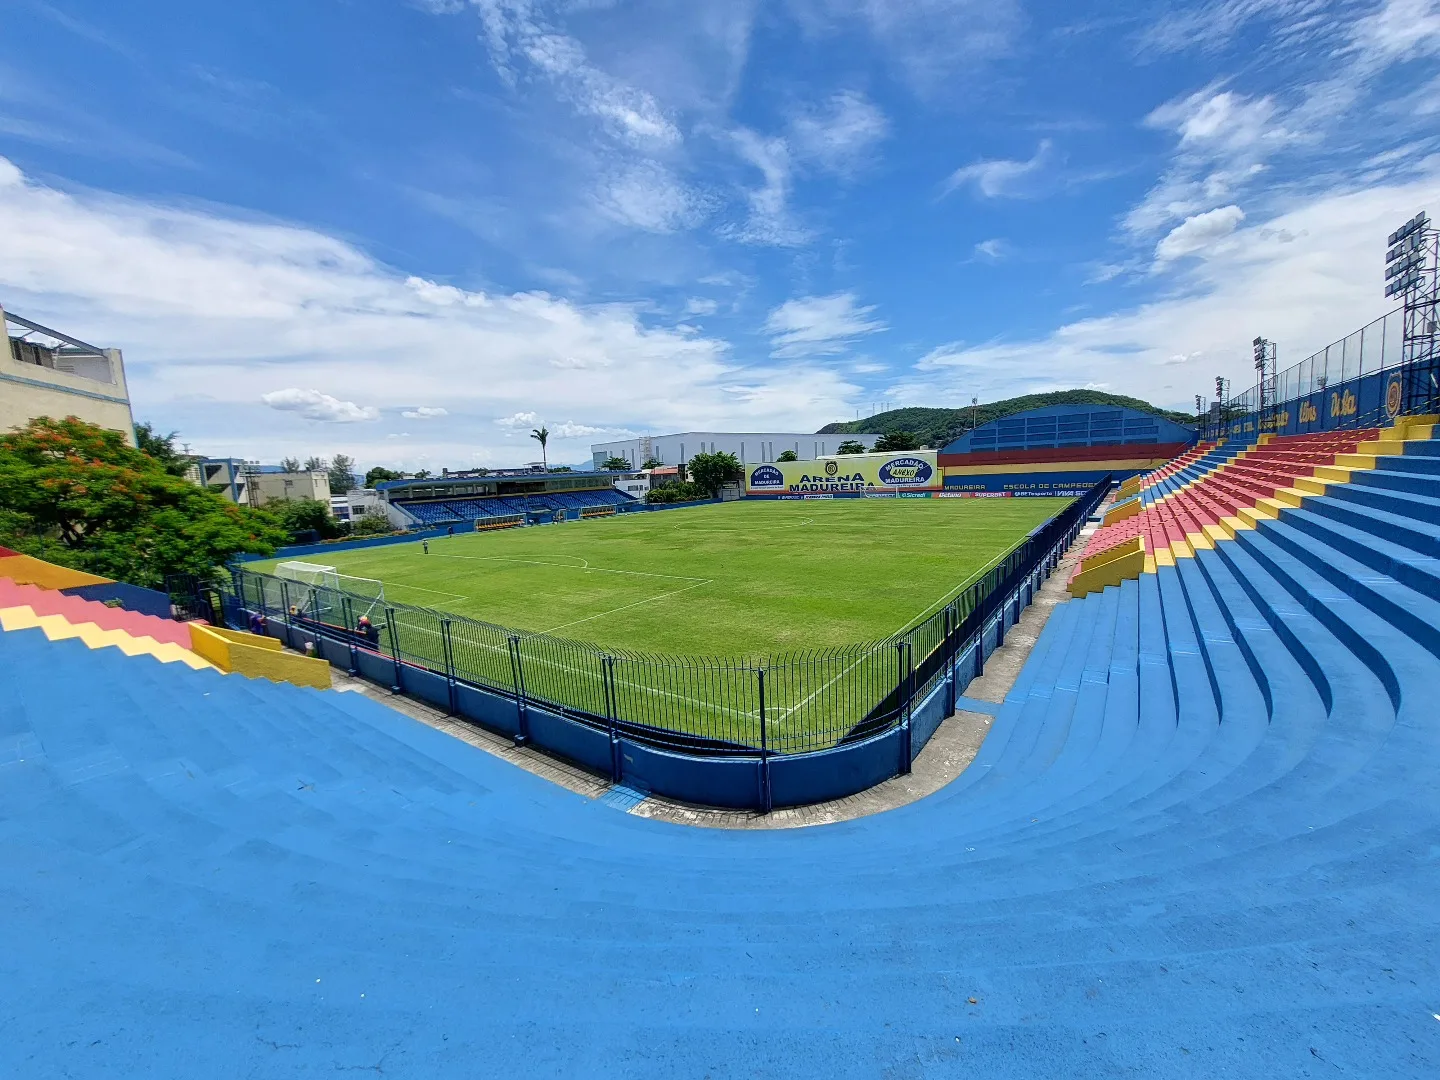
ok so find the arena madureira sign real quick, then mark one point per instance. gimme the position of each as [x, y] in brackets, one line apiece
[852, 475]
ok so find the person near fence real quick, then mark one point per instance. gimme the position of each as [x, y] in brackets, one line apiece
[368, 630]
[259, 625]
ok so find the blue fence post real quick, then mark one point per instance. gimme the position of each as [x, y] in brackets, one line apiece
[449, 665]
[766, 801]
[617, 765]
[350, 632]
[906, 690]
[394, 649]
[517, 673]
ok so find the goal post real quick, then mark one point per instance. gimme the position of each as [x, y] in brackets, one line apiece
[317, 591]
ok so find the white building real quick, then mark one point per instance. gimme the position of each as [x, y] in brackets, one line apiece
[356, 503]
[46, 373]
[755, 448]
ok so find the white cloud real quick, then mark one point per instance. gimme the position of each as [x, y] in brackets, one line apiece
[425, 412]
[992, 250]
[1305, 277]
[519, 419]
[518, 36]
[1400, 30]
[930, 44]
[819, 325]
[840, 133]
[648, 195]
[1198, 232]
[203, 303]
[1002, 178]
[770, 221]
[701, 305]
[570, 430]
[313, 405]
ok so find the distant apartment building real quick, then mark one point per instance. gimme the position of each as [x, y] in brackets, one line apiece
[44, 372]
[252, 484]
[752, 448]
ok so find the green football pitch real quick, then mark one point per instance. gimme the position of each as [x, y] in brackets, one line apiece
[737, 579]
[665, 619]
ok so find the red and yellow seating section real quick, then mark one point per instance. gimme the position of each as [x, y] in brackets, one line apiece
[30, 598]
[1257, 483]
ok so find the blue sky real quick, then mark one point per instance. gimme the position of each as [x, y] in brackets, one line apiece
[411, 230]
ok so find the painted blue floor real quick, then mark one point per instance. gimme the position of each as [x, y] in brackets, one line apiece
[1202, 839]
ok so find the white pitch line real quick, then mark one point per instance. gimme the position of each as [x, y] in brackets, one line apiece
[674, 592]
[942, 601]
[421, 588]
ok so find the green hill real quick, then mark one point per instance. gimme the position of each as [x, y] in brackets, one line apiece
[937, 427]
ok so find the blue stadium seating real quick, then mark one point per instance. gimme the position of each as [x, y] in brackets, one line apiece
[1201, 839]
[439, 513]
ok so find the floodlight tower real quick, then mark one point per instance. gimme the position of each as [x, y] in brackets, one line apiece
[1199, 411]
[1412, 272]
[1266, 355]
[1222, 404]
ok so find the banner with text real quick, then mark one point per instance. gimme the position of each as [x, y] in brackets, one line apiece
[912, 471]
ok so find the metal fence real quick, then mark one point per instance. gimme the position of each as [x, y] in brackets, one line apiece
[783, 703]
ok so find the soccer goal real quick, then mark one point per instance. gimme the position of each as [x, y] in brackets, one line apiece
[320, 592]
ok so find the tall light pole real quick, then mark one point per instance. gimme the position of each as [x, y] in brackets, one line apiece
[974, 412]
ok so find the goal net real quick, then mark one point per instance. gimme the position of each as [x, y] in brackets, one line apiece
[321, 592]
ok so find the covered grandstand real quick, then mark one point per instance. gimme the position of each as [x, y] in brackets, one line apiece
[1060, 450]
[447, 500]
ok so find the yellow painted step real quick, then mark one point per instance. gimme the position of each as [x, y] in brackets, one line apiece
[58, 628]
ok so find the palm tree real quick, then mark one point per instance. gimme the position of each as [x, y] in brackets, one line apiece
[542, 436]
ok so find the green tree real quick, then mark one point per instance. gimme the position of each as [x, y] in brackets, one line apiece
[652, 463]
[542, 436]
[371, 523]
[379, 474]
[897, 440]
[316, 464]
[710, 472]
[788, 455]
[161, 448]
[682, 491]
[298, 516]
[290, 464]
[76, 494]
[614, 463]
[851, 446]
[342, 473]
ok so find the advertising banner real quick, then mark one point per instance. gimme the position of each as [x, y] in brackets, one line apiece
[912, 473]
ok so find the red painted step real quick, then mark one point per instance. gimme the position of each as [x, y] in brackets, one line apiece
[75, 609]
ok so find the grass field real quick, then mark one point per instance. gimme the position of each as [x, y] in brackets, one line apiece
[706, 597]
[737, 579]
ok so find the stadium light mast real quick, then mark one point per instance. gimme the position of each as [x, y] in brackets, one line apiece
[1266, 357]
[974, 412]
[1412, 272]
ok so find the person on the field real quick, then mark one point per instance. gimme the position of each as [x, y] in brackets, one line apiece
[449, 530]
[426, 545]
